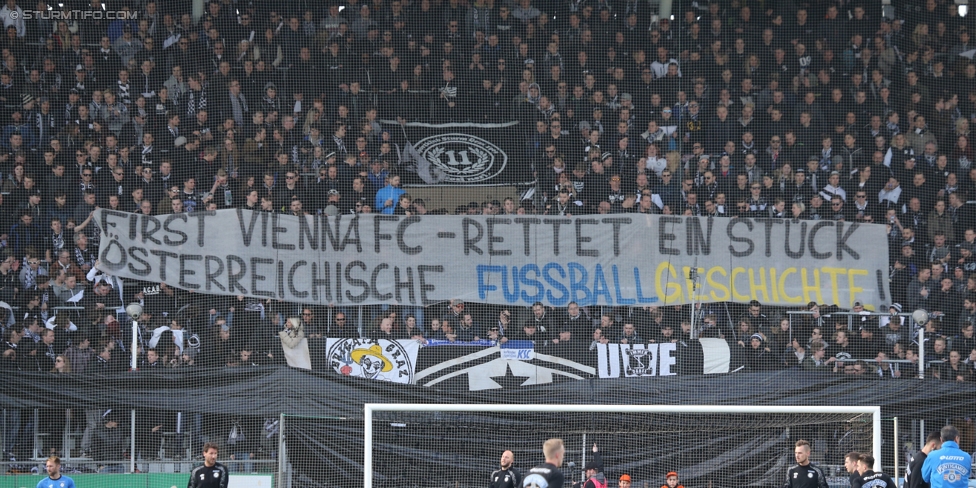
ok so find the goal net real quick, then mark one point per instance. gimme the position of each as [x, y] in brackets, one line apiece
[709, 446]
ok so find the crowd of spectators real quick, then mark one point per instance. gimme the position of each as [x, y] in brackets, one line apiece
[727, 109]
[816, 338]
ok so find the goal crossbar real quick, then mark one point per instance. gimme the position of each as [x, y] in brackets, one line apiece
[369, 408]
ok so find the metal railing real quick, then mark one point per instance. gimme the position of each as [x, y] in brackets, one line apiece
[850, 317]
[36, 466]
[916, 332]
[176, 457]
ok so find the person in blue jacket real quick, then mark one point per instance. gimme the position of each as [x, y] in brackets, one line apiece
[54, 477]
[388, 196]
[950, 466]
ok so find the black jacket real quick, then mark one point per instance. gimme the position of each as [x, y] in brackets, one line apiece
[808, 476]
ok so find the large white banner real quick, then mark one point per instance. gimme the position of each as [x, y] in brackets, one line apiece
[623, 259]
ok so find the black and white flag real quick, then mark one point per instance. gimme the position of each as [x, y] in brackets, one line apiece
[463, 154]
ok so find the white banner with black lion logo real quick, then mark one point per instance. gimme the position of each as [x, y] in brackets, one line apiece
[378, 359]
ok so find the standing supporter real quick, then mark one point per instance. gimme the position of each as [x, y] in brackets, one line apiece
[594, 471]
[388, 197]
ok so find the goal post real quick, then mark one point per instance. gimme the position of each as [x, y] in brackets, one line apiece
[370, 408]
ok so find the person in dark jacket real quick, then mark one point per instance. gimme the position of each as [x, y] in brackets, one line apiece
[506, 476]
[865, 465]
[210, 474]
[758, 357]
[108, 438]
[913, 473]
[804, 474]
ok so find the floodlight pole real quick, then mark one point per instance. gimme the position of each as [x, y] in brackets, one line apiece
[921, 353]
[895, 447]
[583, 460]
[134, 311]
[132, 441]
[282, 452]
[695, 285]
[134, 362]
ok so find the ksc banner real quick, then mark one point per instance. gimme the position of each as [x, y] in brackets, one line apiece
[463, 154]
[373, 359]
[620, 259]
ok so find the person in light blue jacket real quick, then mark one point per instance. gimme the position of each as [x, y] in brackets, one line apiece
[388, 196]
[950, 466]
